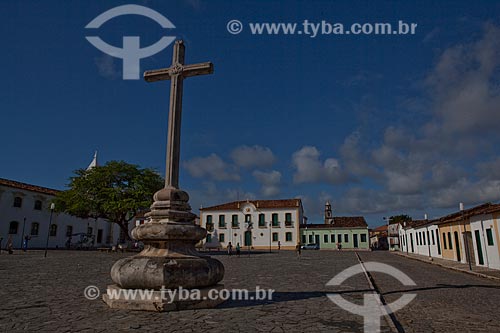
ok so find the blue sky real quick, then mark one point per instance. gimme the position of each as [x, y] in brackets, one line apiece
[379, 125]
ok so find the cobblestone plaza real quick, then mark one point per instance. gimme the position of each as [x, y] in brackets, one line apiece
[46, 294]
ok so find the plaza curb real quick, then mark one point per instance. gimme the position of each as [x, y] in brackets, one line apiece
[426, 260]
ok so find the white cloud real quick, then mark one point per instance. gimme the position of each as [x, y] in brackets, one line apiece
[270, 182]
[468, 192]
[107, 67]
[212, 167]
[255, 156]
[465, 86]
[310, 169]
[209, 194]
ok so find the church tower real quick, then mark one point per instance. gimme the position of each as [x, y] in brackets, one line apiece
[328, 213]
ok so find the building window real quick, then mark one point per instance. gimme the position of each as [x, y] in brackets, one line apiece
[69, 230]
[346, 238]
[234, 221]
[209, 238]
[423, 236]
[262, 220]
[90, 231]
[275, 220]
[18, 202]
[53, 230]
[38, 205]
[489, 236]
[325, 238]
[311, 239]
[288, 219]
[13, 226]
[363, 238]
[35, 226]
[444, 241]
[275, 236]
[438, 244]
[332, 238]
[339, 238]
[222, 221]
[248, 218]
[433, 240]
[221, 238]
[450, 245]
[210, 224]
[304, 240]
[288, 236]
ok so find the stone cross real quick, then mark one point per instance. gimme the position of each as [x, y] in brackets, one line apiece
[176, 74]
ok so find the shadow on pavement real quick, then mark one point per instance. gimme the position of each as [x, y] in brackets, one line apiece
[443, 286]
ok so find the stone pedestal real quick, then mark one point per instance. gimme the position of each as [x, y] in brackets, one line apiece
[162, 301]
[169, 259]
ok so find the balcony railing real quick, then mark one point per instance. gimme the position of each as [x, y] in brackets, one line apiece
[275, 224]
[288, 223]
[235, 225]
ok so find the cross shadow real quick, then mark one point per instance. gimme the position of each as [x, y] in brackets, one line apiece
[224, 253]
[443, 286]
[279, 297]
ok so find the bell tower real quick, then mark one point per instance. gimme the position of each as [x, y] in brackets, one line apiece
[328, 213]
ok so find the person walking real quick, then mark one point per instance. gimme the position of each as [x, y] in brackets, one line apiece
[10, 245]
[298, 249]
[238, 249]
[229, 248]
[279, 245]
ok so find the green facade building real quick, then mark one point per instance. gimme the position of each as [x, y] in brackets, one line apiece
[347, 232]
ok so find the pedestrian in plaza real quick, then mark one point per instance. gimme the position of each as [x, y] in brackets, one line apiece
[27, 238]
[279, 245]
[238, 249]
[1, 239]
[10, 245]
[298, 249]
[229, 248]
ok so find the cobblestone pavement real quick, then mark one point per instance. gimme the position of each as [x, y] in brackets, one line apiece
[476, 270]
[46, 295]
[447, 301]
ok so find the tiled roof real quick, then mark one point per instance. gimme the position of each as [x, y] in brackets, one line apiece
[340, 222]
[380, 228]
[285, 203]
[486, 208]
[28, 187]
[418, 223]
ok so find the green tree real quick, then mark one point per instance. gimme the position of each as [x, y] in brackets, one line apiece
[399, 219]
[116, 191]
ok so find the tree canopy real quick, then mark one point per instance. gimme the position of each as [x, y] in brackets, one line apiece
[116, 191]
[399, 219]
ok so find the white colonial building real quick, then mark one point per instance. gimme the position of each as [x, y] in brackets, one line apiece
[25, 213]
[421, 237]
[254, 224]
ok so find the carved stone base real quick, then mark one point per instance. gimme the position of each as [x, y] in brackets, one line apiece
[139, 272]
[159, 301]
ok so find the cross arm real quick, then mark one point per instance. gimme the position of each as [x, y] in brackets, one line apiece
[198, 69]
[184, 70]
